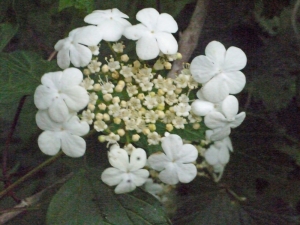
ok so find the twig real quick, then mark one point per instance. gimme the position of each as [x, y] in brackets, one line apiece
[188, 40]
[294, 18]
[29, 174]
[23, 206]
[52, 56]
[5, 174]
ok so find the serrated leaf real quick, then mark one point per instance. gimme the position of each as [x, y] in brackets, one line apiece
[7, 32]
[85, 199]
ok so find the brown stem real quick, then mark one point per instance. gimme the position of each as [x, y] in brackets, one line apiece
[188, 40]
[52, 56]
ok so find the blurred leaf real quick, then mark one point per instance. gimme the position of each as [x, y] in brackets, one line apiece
[4, 4]
[84, 199]
[7, 32]
[86, 5]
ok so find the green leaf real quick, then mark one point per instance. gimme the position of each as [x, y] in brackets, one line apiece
[4, 4]
[85, 199]
[7, 32]
[86, 5]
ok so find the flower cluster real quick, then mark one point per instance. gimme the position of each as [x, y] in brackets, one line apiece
[131, 102]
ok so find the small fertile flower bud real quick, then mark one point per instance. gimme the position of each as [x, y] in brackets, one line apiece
[128, 79]
[121, 132]
[160, 92]
[136, 64]
[124, 58]
[86, 72]
[107, 97]
[119, 88]
[102, 106]
[102, 138]
[121, 83]
[160, 114]
[99, 116]
[152, 94]
[141, 96]
[146, 131]
[152, 127]
[196, 126]
[123, 104]
[135, 137]
[167, 65]
[178, 90]
[117, 120]
[160, 106]
[179, 56]
[105, 68]
[97, 87]
[115, 75]
[106, 117]
[169, 127]
[116, 99]
[91, 107]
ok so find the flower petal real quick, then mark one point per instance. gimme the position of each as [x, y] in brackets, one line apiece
[230, 107]
[118, 158]
[44, 121]
[166, 23]
[52, 80]
[202, 108]
[202, 69]
[49, 143]
[136, 32]
[112, 30]
[171, 144]
[112, 176]
[187, 154]
[166, 43]
[148, 17]
[169, 175]
[126, 185]
[72, 145]
[216, 51]
[216, 89]
[58, 111]
[238, 120]
[140, 177]
[138, 159]
[186, 172]
[224, 155]
[88, 35]
[211, 155]
[80, 55]
[220, 133]
[235, 59]
[215, 120]
[158, 161]
[43, 96]
[236, 81]
[147, 47]
[76, 98]
[63, 58]
[77, 127]
[71, 77]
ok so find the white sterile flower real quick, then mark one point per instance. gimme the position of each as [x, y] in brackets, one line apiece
[87, 83]
[176, 163]
[221, 123]
[218, 71]
[153, 34]
[75, 49]
[217, 155]
[60, 93]
[88, 116]
[111, 23]
[126, 174]
[64, 136]
[201, 106]
[100, 125]
[182, 109]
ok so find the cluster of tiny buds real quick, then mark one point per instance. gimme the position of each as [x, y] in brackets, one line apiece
[130, 99]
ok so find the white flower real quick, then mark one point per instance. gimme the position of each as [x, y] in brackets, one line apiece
[127, 175]
[100, 125]
[221, 123]
[153, 34]
[111, 23]
[176, 164]
[112, 138]
[75, 49]
[88, 116]
[60, 93]
[153, 138]
[63, 136]
[87, 83]
[94, 66]
[217, 155]
[218, 71]
[182, 109]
